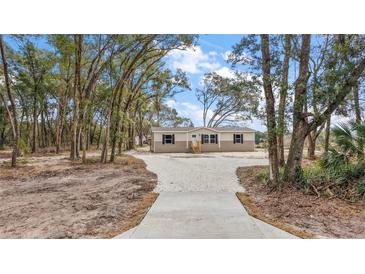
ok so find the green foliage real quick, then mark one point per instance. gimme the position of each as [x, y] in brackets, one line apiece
[333, 159]
[343, 175]
[349, 143]
[260, 137]
[24, 147]
[264, 176]
[314, 173]
[168, 117]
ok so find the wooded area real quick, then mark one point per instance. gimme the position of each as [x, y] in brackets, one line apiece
[329, 81]
[73, 92]
[77, 91]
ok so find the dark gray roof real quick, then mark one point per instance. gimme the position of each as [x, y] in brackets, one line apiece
[186, 129]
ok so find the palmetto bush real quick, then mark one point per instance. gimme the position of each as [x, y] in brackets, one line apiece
[343, 167]
[341, 172]
[349, 145]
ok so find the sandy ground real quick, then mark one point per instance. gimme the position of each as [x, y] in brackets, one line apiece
[51, 197]
[185, 172]
[321, 217]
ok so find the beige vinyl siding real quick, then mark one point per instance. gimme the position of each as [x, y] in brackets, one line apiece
[183, 141]
[179, 136]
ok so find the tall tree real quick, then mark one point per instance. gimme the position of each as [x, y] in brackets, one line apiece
[229, 100]
[12, 109]
[284, 86]
[74, 154]
[345, 68]
[270, 110]
[299, 123]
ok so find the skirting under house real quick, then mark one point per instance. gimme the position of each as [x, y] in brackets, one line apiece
[203, 139]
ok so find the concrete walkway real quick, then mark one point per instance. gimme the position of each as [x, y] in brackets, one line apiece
[201, 215]
[199, 209]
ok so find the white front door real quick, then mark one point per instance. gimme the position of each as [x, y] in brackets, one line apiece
[194, 139]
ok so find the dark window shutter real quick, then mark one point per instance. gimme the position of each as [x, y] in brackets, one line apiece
[173, 138]
[163, 139]
[234, 138]
[202, 138]
[241, 138]
[216, 138]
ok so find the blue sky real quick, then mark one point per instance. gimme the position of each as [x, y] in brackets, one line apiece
[208, 56]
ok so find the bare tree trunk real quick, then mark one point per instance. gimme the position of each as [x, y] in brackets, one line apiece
[77, 83]
[357, 103]
[358, 116]
[2, 138]
[140, 125]
[131, 136]
[311, 138]
[83, 138]
[327, 135]
[311, 145]
[35, 125]
[12, 111]
[61, 118]
[270, 111]
[104, 153]
[300, 126]
[42, 131]
[120, 147]
[88, 138]
[282, 103]
[140, 137]
[99, 136]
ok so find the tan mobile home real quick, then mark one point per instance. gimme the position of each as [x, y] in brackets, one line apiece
[182, 139]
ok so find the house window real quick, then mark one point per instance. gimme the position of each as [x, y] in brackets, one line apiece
[238, 138]
[213, 138]
[209, 139]
[205, 139]
[194, 136]
[168, 139]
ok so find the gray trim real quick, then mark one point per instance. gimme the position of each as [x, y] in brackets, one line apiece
[191, 129]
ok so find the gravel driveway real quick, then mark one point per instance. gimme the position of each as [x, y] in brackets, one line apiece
[213, 172]
[197, 198]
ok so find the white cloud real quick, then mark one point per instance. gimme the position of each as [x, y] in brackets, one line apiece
[209, 66]
[225, 72]
[193, 60]
[171, 103]
[226, 54]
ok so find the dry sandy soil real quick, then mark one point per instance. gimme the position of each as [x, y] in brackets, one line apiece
[52, 197]
[320, 217]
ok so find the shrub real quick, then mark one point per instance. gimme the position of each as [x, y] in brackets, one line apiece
[333, 159]
[264, 176]
[315, 173]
